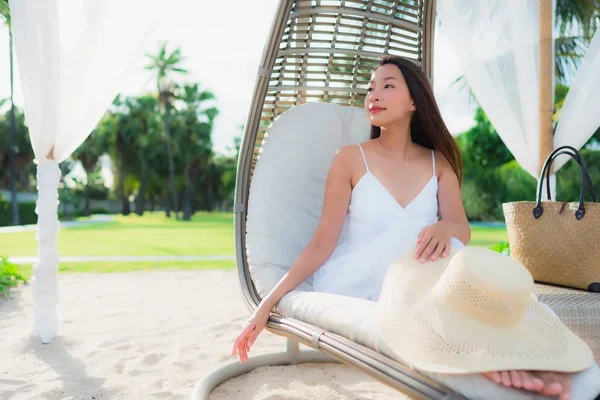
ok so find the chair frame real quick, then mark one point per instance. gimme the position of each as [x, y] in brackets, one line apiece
[402, 27]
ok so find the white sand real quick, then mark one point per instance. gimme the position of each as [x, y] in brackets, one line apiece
[151, 335]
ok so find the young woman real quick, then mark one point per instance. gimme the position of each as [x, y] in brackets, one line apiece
[399, 190]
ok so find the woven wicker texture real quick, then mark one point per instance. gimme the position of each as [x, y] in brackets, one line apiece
[577, 309]
[330, 47]
[556, 248]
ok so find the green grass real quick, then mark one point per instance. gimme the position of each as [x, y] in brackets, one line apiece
[104, 267]
[156, 235]
[487, 236]
[150, 235]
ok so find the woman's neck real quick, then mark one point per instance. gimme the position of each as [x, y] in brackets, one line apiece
[395, 139]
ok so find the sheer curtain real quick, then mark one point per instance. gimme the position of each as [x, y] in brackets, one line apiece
[497, 42]
[580, 115]
[73, 57]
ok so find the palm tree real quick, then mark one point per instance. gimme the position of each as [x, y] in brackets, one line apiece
[5, 12]
[576, 21]
[163, 65]
[113, 126]
[144, 122]
[88, 154]
[196, 145]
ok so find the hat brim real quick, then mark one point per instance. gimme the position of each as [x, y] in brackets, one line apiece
[434, 337]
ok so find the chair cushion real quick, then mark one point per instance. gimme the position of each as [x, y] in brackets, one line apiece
[358, 320]
[288, 184]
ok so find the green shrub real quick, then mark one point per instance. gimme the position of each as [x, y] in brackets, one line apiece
[515, 184]
[27, 215]
[479, 204]
[501, 247]
[9, 276]
[568, 178]
[485, 189]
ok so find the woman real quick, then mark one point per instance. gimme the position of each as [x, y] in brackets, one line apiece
[384, 195]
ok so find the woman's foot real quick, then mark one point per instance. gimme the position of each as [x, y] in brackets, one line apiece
[547, 383]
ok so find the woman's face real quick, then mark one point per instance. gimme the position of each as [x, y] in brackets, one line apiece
[388, 99]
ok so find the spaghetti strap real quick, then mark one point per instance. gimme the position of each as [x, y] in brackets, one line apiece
[363, 156]
[433, 159]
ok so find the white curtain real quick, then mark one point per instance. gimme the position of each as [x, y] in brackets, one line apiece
[580, 115]
[73, 57]
[497, 43]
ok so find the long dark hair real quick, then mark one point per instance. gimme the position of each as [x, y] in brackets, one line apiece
[427, 127]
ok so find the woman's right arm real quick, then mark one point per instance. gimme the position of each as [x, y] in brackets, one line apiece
[338, 188]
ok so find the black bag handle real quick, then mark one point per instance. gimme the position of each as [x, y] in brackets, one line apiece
[579, 158]
[574, 156]
[538, 210]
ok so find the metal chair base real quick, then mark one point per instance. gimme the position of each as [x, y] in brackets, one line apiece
[291, 356]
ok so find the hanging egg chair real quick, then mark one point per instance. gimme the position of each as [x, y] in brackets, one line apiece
[307, 103]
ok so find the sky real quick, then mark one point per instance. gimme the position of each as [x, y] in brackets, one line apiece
[223, 42]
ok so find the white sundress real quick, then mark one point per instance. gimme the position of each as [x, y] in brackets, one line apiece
[376, 232]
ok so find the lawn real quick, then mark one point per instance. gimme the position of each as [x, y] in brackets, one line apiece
[487, 236]
[150, 235]
[208, 234]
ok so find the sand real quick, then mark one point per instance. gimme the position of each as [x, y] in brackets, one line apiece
[152, 335]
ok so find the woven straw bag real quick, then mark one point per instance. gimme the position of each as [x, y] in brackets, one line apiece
[558, 242]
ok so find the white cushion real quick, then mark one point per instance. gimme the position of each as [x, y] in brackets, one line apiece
[288, 184]
[286, 198]
[358, 320]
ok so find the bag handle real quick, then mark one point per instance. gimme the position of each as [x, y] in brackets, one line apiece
[538, 210]
[574, 156]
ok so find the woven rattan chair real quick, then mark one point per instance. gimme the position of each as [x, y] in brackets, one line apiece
[323, 51]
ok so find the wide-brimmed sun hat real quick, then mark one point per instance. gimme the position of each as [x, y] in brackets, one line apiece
[473, 311]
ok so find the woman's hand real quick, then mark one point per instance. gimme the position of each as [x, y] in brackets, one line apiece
[250, 332]
[434, 242]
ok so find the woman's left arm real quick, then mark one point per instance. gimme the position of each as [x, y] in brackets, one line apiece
[434, 240]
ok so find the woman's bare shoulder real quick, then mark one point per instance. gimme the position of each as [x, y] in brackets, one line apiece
[442, 165]
[440, 158]
[351, 152]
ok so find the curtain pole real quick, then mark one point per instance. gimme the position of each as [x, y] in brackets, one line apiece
[546, 81]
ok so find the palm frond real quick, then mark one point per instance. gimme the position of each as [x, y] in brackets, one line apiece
[462, 84]
[206, 96]
[211, 113]
[5, 11]
[162, 51]
[569, 51]
[579, 17]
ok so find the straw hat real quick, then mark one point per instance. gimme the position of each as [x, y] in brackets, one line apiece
[473, 312]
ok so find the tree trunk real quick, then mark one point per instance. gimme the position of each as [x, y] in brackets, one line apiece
[140, 199]
[87, 204]
[187, 206]
[167, 206]
[23, 178]
[170, 158]
[125, 207]
[187, 196]
[65, 210]
[13, 141]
